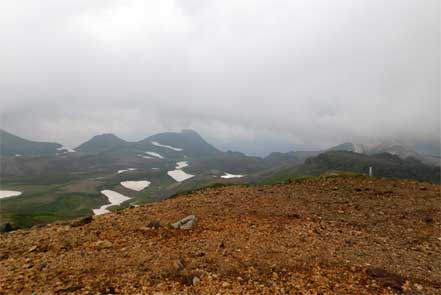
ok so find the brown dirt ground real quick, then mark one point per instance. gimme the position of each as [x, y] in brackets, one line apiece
[334, 235]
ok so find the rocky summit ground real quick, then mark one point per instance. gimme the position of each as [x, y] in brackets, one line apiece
[330, 235]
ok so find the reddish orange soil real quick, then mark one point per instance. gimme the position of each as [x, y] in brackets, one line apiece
[335, 235]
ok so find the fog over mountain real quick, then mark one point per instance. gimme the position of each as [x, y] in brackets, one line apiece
[251, 75]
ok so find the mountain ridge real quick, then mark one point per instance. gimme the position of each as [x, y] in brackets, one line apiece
[11, 144]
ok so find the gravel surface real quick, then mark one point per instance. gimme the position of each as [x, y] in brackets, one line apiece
[334, 235]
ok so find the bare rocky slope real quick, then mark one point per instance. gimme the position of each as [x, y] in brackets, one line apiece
[327, 235]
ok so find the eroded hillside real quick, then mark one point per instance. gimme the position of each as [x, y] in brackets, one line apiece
[334, 235]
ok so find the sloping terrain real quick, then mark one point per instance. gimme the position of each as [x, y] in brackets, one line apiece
[384, 165]
[334, 235]
[102, 143]
[393, 147]
[16, 146]
[67, 184]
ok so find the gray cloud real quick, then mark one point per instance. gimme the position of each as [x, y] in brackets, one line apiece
[281, 73]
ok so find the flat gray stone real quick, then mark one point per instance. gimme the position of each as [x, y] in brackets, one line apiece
[186, 223]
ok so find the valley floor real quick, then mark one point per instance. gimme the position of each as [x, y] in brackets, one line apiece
[334, 235]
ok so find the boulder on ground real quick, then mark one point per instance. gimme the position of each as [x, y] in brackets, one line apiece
[6, 227]
[154, 224]
[186, 223]
[103, 244]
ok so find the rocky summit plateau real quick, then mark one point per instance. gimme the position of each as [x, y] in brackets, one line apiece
[321, 235]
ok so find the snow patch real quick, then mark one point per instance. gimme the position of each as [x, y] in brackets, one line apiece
[358, 148]
[178, 174]
[18, 155]
[155, 155]
[8, 194]
[180, 165]
[66, 149]
[126, 170]
[228, 175]
[145, 157]
[136, 185]
[114, 198]
[167, 146]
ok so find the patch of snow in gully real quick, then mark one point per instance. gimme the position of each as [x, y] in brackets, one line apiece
[126, 170]
[155, 155]
[8, 194]
[136, 185]
[167, 146]
[178, 174]
[114, 198]
[228, 175]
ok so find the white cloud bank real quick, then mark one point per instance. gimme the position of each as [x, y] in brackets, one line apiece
[305, 71]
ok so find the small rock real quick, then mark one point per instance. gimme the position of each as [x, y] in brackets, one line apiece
[6, 227]
[103, 244]
[82, 221]
[63, 228]
[196, 281]
[186, 223]
[178, 265]
[418, 287]
[226, 285]
[154, 224]
[386, 278]
[32, 249]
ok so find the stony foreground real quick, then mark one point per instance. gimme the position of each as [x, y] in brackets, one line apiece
[335, 235]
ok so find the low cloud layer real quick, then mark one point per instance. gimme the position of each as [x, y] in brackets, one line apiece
[270, 73]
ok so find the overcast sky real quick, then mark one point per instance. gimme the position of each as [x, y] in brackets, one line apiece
[256, 75]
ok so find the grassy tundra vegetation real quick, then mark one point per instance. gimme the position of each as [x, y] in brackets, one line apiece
[59, 184]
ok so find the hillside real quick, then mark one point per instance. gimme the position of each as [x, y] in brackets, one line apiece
[187, 141]
[102, 143]
[384, 165]
[393, 147]
[66, 185]
[335, 235]
[11, 145]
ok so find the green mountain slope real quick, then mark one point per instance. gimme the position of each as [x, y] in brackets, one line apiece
[188, 141]
[101, 143]
[11, 145]
[66, 185]
[384, 165]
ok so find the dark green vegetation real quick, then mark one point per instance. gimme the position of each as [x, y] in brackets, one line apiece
[62, 185]
[102, 143]
[384, 165]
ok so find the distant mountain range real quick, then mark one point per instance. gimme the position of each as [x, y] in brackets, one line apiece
[59, 183]
[391, 147]
[195, 145]
[12, 145]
